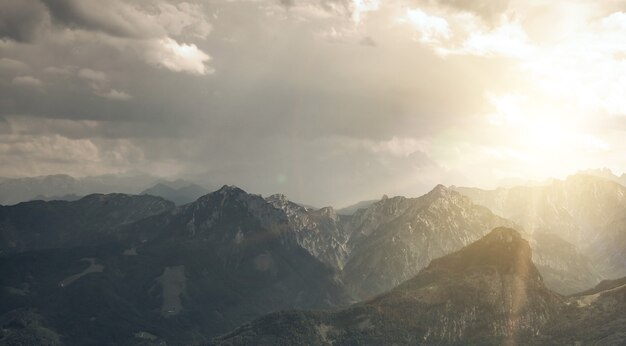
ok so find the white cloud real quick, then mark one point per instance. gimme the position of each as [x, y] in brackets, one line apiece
[508, 39]
[362, 6]
[27, 81]
[179, 57]
[432, 28]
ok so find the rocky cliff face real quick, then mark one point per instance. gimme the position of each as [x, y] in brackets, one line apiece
[321, 232]
[564, 268]
[487, 293]
[609, 251]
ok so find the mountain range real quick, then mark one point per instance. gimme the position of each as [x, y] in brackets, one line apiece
[65, 187]
[443, 268]
[178, 191]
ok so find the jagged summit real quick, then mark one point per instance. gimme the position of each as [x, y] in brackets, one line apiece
[278, 197]
[439, 188]
[227, 192]
[230, 189]
[327, 212]
[319, 231]
[441, 192]
[281, 201]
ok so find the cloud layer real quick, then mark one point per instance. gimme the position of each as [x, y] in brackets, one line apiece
[328, 101]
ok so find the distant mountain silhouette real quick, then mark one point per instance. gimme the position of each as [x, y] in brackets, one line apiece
[179, 191]
[350, 210]
[49, 187]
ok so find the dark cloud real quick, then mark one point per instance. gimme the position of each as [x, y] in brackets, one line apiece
[287, 3]
[112, 17]
[21, 20]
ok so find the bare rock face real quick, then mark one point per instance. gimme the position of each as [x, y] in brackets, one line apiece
[489, 292]
[321, 232]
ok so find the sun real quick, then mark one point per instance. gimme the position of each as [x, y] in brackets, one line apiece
[537, 138]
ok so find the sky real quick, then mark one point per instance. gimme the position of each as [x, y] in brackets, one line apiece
[327, 101]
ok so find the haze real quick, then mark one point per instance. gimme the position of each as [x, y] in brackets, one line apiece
[326, 101]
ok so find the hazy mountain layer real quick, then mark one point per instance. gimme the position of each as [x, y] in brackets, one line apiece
[584, 210]
[48, 187]
[179, 191]
[350, 210]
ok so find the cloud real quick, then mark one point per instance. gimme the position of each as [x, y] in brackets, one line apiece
[113, 17]
[12, 65]
[296, 96]
[151, 19]
[183, 19]
[27, 81]
[99, 83]
[159, 31]
[178, 57]
[432, 28]
[95, 76]
[22, 20]
[114, 95]
[488, 10]
[507, 39]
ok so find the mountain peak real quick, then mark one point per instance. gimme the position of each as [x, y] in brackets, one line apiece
[230, 190]
[439, 190]
[278, 197]
[503, 235]
[328, 212]
[503, 249]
